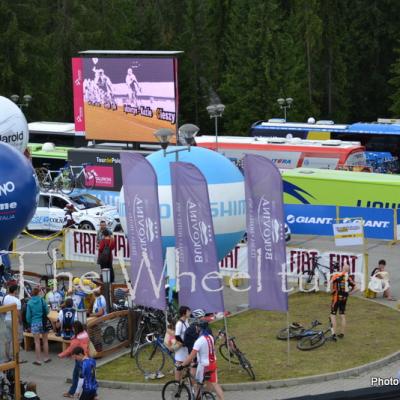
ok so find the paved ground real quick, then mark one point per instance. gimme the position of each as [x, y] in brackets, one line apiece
[51, 377]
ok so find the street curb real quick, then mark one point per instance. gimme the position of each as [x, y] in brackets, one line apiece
[267, 384]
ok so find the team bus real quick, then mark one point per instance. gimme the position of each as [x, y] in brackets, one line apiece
[377, 137]
[290, 153]
[341, 188]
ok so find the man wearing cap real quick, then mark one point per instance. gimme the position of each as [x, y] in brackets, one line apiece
[204, 350]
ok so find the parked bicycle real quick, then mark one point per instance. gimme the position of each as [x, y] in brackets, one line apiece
[229, 350]
[52, 179]
[79, 176]
[66, 179]
[319, 270]
[150, 357]
[8, 278]
[149, 322]
[185, 389]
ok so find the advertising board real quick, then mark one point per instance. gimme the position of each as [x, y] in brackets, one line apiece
[125, 99]
[348, 233]
[81, 246]
[341, 188]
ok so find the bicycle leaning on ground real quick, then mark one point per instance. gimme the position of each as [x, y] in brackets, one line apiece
[186, 389]
[236, 356]
[308, 339]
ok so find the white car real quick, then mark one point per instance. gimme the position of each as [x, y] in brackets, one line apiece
[49, 215]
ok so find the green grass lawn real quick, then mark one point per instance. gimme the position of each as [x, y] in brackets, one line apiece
[372, 333]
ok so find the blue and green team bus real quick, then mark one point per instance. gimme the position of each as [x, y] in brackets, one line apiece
[376, 137]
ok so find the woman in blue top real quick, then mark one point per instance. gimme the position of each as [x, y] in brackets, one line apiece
[36, 313]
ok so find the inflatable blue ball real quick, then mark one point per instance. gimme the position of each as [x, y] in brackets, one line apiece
[226, 191]
[19, 194]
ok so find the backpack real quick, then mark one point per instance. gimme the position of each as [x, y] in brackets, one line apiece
[191, 335]
[104, 256]
[67, 323]
[24, 306]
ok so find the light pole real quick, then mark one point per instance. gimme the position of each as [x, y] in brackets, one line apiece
[215, 111]
[26, 100]
[106, 277]
[285, 104]
[187, 131]
[81, 316]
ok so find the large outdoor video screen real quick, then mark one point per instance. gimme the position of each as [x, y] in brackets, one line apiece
[126, 99]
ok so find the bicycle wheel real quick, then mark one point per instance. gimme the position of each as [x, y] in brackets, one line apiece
[138, 340]
[246, 365]
[45, 180]
[149, 358]
[293, 333]
[122, 329]
[311, 342]
[41, 174]
[223, 350]
[175, 390]
[65, 182]
[87, 180]
[108, 335]
[207, 396]
[57, 245]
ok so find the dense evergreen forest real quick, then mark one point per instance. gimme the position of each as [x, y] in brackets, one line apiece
[338, 59]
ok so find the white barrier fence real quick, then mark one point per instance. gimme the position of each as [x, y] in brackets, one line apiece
[80, 245]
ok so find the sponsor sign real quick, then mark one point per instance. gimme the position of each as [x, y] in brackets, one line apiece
[299, 261]
[265, 233]
[106, 166]
[81, 245]
[305, 219]
[77, 86]
[348, 233]
[378, 223]
[195, 240]
[143, 229]
[104, 175]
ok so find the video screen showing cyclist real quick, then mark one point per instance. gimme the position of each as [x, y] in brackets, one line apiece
[342, 285]
[133, 86]
[104, 84]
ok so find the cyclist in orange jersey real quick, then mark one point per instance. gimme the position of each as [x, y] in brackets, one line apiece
[342, 285]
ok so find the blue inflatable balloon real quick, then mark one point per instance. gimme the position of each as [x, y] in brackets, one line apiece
[19, 194]
[226, 191]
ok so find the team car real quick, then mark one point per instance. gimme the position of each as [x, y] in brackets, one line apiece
[89, 211]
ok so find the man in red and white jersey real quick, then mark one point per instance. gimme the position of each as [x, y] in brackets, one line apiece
[204, 351]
